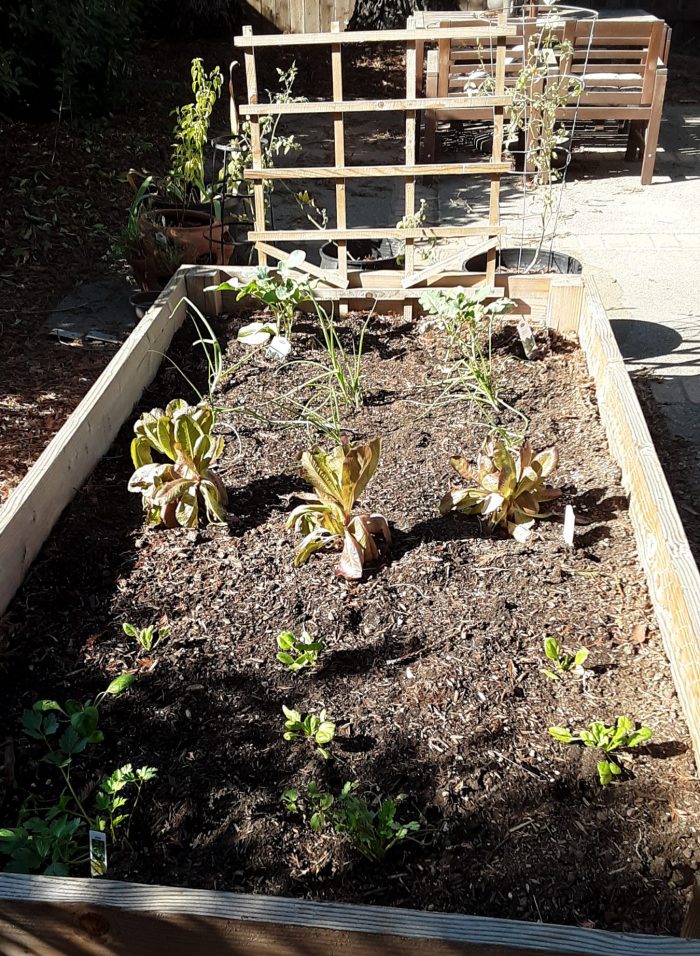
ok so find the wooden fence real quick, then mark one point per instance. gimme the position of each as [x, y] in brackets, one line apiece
[302, 16]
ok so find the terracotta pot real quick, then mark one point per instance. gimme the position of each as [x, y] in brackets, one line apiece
[192, 237]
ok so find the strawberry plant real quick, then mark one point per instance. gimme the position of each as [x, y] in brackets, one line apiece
[54, 840]
[327, 520]
[509, 489]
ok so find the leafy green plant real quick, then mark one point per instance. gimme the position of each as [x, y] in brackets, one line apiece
[372, 828]
[239, 155]
[148, 637]
[464, 315]
[186, 178]
[563, 662]
[279, 290]
[621, 736]
[326, 519]
[112, 804]
[54, 840]
[509, 490]
[313, 728]
[179, 491]
[297, 653]
[69, 56]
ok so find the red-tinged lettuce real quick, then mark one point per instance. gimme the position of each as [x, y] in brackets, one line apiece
[509, 487]
[326, 518]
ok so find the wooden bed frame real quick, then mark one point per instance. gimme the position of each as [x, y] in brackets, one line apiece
[77, 917]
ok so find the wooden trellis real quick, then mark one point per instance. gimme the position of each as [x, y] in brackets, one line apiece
[339, 173]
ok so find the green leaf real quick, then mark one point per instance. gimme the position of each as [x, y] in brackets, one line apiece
[130, 630]
[561, 734]
[120, 684]
[639, 736]
[581, 657]
[605, 772]
[551, 648]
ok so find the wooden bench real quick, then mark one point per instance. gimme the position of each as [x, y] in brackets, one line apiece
[622, 63]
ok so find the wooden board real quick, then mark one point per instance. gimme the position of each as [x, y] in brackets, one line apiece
[476, 168]
[373, 106]
[51, 916]
[371, 36]
[664, 552]
[35, 505]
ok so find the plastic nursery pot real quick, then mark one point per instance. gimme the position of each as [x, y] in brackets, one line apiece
[364, 255]
[521, 260]
[141, 302]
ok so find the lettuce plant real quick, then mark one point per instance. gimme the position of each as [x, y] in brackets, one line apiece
[509, 490]
[621, 736]
[178, 491]
[326, 519]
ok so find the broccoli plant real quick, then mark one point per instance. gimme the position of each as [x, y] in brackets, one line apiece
[279, 290]
[53, 840]
[298, 652]
[313, 728]
[598, 736]
[563, 662]
[372, 828]
[180, 490]
[326, 518]
[509, 490]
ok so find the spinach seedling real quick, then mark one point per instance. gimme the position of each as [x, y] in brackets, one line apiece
[372, 828]
[298, 652]
[314, 728]
[563, 662]
[148, 637]
[622, 735]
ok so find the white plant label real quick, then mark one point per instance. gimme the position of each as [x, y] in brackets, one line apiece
[569, 523]
[279, 348]
[98, 853]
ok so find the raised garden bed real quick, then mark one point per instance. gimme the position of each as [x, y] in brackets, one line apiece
[432, 665]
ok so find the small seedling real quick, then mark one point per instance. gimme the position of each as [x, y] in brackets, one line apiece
[53, 840]
[298, 652]
[563, 661]
[314, 728]
[607, 739]
[148, 637]
[372, 830]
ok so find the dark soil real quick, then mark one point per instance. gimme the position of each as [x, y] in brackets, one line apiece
[431, 667]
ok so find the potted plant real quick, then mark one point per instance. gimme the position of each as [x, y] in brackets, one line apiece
[175, 227]
[541, 147]
[235, 195]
